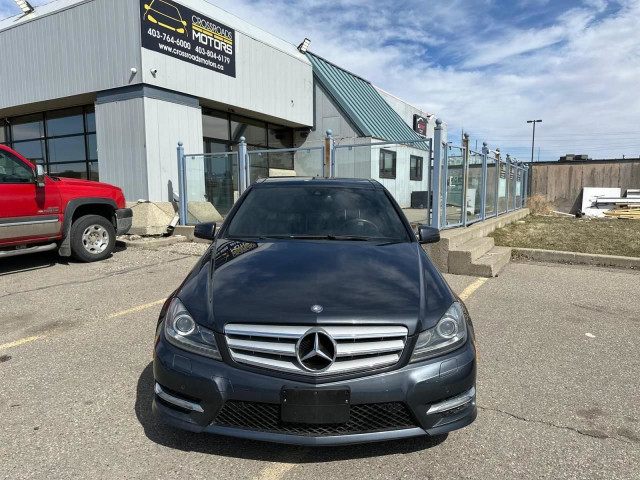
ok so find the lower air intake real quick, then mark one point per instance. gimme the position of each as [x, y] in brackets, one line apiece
[265, 417]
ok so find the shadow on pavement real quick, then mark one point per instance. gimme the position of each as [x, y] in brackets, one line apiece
[171, 437]
[38, 261]
[30, 262]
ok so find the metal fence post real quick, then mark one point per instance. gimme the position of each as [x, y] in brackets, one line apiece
[507, 190]
[182, 207]
[245, 177]
[497, 201]
[526, 187]
[483, 196]
[515, 185]
[429, 182]
[436, 180]
[328, 163]
[465, 178]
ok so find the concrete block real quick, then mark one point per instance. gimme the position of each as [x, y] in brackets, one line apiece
[439, 254]
[151, 218]
[187, 232]
[200, 212]
[279, 172]
[470, 251]
[492, 263]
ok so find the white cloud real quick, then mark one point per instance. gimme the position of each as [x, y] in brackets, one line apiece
[579, 73]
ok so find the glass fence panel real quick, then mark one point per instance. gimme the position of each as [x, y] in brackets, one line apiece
[518, 188]
[454, 185]
[354, 161]
[211, 185]
[502, 188]
[474, 187]
[492, 182]
[510, 187]
[305, 162]
[309, 163]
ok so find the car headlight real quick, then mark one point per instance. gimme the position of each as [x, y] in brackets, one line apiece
[447, 335]
[182, 331]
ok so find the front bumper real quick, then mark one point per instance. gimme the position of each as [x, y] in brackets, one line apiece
[206, 385]
[124, 219]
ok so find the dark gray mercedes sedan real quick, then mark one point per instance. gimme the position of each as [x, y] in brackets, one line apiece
[315, 318]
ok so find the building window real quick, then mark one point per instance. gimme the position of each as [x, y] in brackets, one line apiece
[415, 168]
[222, 132]
[64, 141]
[387, 164]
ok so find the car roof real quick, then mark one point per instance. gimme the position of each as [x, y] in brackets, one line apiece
[318, 181]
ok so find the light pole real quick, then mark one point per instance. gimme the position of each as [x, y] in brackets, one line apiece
[533, 139]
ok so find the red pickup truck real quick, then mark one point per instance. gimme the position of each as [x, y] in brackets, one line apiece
[40, 213]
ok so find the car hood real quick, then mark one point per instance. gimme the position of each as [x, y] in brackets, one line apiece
[72, 187]
[278, 282]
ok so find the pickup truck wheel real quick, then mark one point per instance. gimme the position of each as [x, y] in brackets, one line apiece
[92, 238]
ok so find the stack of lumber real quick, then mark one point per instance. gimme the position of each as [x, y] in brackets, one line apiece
[631, 212]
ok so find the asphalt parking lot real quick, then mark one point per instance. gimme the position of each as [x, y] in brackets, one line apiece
[558, 381]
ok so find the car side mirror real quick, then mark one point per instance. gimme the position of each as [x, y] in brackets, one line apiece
[39, 175]
[428, 234]
[206, 231]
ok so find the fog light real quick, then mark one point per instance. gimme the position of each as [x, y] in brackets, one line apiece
[455, 402]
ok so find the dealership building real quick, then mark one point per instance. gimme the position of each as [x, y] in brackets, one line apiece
[105, 89]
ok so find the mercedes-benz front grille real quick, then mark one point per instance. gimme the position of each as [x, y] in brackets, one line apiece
[356, 348]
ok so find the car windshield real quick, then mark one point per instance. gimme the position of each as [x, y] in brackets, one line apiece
[317, 212]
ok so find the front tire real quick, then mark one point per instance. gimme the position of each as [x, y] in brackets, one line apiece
[93, 238]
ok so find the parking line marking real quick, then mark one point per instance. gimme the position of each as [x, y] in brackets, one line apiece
[20, 342]
[467, 292]
[275, 471]
[137, 309]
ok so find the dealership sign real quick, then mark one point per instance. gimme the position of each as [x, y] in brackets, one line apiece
[420, 124]
[178, 31]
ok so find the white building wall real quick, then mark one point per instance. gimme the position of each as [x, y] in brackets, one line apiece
[167, 123]
[401, 186]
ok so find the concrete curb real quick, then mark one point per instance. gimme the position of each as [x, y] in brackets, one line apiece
[153, 244]
[553, 256]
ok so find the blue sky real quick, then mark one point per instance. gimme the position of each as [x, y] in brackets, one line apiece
[484, 65]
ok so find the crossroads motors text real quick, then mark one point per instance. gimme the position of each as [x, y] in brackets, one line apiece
[196, 39]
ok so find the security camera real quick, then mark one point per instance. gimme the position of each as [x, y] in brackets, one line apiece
[134, 70]
[154, 71]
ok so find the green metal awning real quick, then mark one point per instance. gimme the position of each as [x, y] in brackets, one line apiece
[363, 104]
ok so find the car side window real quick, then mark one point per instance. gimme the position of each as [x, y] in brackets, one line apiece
[13, 170]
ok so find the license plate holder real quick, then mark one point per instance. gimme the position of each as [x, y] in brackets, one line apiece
[315, 406]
